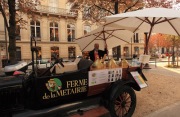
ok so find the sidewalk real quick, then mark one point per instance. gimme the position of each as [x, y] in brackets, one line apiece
[171, 110]
[163, 65]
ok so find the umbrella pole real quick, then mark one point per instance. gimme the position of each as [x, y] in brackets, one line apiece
[107, 52]
[105, 43]
[131, 49]
[146, 66]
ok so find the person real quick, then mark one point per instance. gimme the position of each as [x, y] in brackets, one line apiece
[96, 53]
[134, 56]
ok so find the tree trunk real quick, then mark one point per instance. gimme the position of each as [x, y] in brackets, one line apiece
[168, 60]
[146, 43]
[173, 54]
[177, 61]
[173, 57]
[116, 11]
[11, 32]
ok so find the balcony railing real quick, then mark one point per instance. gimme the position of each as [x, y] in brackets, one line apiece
[56, 11]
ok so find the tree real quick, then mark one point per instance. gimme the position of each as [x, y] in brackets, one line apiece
[175, 40]
[159, 3]
[12, 13]
[96, 10]
[158, 40]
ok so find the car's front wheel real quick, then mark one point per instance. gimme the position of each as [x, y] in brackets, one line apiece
[123, 102]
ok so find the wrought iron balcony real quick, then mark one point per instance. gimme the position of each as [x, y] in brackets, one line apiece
[56, 11]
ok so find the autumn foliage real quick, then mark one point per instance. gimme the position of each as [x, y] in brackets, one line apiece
[159, 40]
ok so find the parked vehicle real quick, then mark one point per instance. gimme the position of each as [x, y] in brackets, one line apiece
[20, 65]
[40, 92]
[163, 55]
[43, 63]
[168, 54]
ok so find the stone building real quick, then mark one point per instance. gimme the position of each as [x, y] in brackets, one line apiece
[55, 29]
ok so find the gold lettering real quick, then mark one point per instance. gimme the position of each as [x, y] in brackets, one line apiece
[72, 91]
[76, 83]
[69, 84]
[68, 91]
[46, 96]
[83, 82]
[73, 87]
[61, 92]
[57, 92]
[53, 95]
[78, 89]
[72, 83]
[83, 89]
[75, 91]
[65, 92]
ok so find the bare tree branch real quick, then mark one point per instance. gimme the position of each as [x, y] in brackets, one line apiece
[132, 6]
[103, 9]
[19, 20]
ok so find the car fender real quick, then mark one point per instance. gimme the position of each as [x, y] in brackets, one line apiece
[120, 83]
[114, 87]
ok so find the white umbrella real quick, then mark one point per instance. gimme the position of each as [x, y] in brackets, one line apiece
[110, 35]
[161, 20]
[157, 20]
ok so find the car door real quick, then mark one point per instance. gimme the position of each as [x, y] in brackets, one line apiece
[60, 89]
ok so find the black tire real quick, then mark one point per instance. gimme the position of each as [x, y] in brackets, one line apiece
[123, 102]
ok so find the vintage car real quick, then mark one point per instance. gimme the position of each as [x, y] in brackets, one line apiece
[44, 92]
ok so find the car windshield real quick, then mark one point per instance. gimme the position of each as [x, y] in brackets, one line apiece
[43, 61]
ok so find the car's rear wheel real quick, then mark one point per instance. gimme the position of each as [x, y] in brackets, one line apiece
[123, 102]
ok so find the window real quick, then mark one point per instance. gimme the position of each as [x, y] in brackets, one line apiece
[17, 32]
[70, 32]
[136, 38]
[87, 29]
[39, 54]
[3, 51]
[71, 52]
[54, 31]
[18, 53]
[54, 52]
[35, 29]
[126, 51]
[136, 50]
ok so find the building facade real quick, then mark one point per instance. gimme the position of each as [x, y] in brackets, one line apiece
[128, 50]
[55, 28]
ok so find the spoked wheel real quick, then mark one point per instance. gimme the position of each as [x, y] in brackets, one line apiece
[123, 102]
